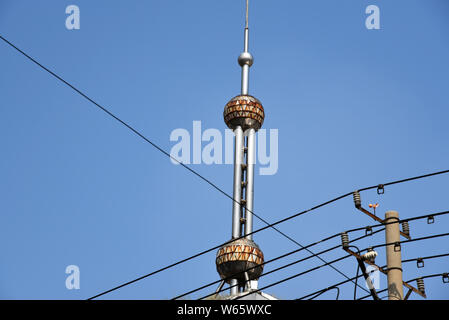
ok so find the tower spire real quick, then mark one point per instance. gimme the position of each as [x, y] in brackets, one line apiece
[243, 114]
[245, 59]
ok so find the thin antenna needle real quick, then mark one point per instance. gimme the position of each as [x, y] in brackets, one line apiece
[247, 6]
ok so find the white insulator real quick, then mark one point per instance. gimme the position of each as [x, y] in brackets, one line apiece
[370, 255]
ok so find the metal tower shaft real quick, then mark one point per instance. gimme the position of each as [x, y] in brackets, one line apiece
[243, 114]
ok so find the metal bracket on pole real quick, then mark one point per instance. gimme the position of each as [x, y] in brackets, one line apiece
[407, 285]
[358, 205]
[408, 294]
[220, 286]
[366, 276]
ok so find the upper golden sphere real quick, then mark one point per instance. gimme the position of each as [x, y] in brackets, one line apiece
[244, 111]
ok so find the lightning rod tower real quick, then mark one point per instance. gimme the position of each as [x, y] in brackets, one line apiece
[244, 115]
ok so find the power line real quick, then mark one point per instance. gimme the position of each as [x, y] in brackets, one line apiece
[346, 281]
[313, 244]
[282, 267]
[296, 275]
[422, 277]
[216, 247]
[183, 165]
[426, 258]
[411, 240]
[249, 269]
[436, 214]
[344, 257]
[405, 180]
[327, 289]
[139, 134]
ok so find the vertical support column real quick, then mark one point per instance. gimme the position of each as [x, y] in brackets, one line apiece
[251, 154]
[237, 192]
[394, 264]
[245, 67]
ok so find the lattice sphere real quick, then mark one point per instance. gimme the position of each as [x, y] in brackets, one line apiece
[236, 257]
[244, 111]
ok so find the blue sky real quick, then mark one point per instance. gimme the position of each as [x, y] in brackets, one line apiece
[354, 108]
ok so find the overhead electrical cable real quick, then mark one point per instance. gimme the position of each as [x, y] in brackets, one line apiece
[139, 134]
[182, 164]
[216, 247]
[346, 281]
[344, 257]
[412, 280]
[290, 264]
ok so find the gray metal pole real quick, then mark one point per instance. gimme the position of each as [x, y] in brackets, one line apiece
[394, 264]
[237, 192]
[245, 67]
[234, 286]
[251, 154]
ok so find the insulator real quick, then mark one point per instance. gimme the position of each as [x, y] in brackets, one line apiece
[380, 189]
[370, 255]
[420, 283]
[420, 262]
[368, 231]
[445, 277]
[357, 200]
[397, 247]
[405, 227]
[344, 240]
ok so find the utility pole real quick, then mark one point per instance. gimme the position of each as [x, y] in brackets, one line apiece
[394, 264]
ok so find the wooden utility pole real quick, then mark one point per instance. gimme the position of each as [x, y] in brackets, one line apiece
[394, 264]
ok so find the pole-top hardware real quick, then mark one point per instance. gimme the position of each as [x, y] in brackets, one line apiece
[420, 262]
[357, 199]
[380, 189]
[344, 240]
[368, 231]
[445, 277]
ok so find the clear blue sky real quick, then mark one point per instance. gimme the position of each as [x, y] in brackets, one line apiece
[354, 107]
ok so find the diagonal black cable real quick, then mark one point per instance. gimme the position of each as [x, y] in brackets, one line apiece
[327, 289]
[183, 165]
[291, 263]
[147, 140]
[151, 142]
[295, 276]
[258, 230]
[315, 243]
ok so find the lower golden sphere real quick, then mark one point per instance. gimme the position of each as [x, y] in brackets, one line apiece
[236, 257]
